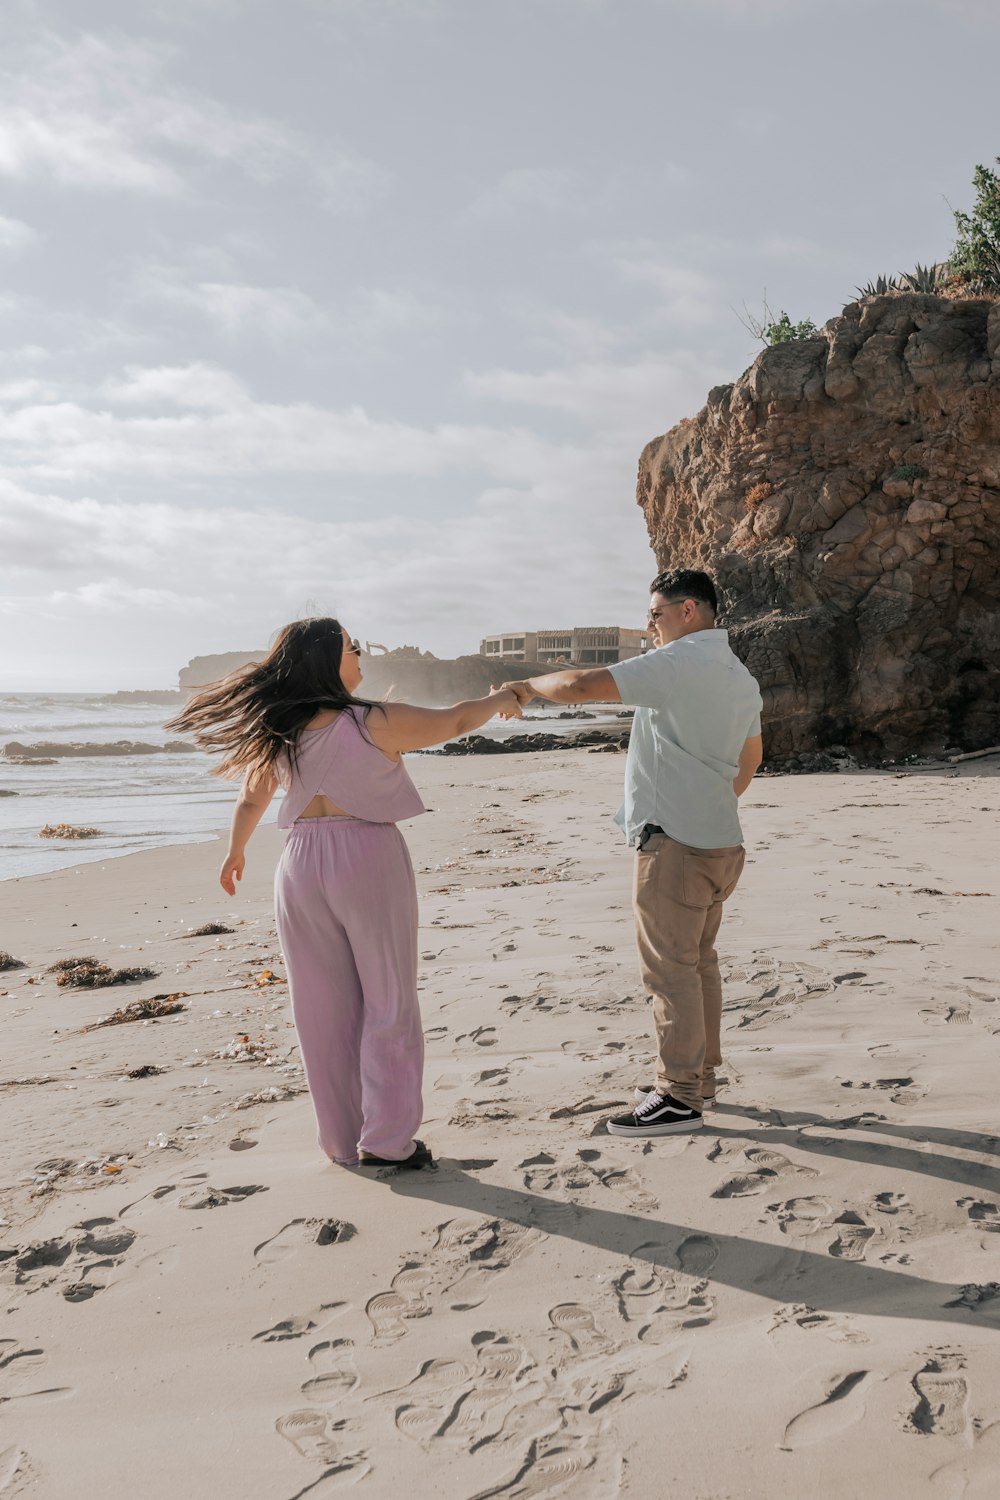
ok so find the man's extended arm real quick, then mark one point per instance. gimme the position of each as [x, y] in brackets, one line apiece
[581, 685]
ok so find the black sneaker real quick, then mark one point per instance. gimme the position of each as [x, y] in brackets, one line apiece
[419, 1157]
[639, 1093]
[657, 1115]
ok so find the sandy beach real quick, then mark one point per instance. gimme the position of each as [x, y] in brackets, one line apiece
[803, 1298]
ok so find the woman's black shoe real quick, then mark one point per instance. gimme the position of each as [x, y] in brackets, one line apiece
[420, 1157]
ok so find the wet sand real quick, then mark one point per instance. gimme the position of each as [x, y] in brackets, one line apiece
[801, 1298]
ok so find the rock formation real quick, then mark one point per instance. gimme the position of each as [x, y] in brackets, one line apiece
[845, 492]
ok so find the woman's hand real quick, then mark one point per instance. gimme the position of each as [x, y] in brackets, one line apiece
[508, 705]
[232, 870]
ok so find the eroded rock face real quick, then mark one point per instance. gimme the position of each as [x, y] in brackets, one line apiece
[845, 492]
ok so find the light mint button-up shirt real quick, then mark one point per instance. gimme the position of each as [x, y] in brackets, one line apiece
[696, 705]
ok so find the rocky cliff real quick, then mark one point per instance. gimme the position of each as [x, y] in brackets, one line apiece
[845, 492]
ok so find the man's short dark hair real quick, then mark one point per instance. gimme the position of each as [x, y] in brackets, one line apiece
[686, 583]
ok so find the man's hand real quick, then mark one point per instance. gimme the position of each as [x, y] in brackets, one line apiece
[519, 692]
[523, 692]
[509, 706]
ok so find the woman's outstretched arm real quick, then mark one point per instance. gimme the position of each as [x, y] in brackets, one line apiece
[398, 727]
[253, 803]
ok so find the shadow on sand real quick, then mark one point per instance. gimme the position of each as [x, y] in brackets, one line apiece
[782, 1272]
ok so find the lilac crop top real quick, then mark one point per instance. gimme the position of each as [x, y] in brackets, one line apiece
[342, 761]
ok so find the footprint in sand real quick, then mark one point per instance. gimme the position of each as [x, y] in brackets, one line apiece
[577, 1323]
[982, 1215]
[426, 1398]
[298, 1326]
[840, 1408]
[211, 1197]
[890, 1203]
[697, 1255]
[948, 1015]
[545, 1175]
[102, 1246]
[463, 1407]
[473, 1252]
[386, 1312]
[413, 1282]
[943, 1395]
[767, 1167]
[649, 1292]
[315, 1436]
[852, 1236]
[801, 1315]
[551, 1466]
[477, 1417]
[298, 1232]
[482, 1036]
[333, 1361]
[406, 1299]
[800, 1218]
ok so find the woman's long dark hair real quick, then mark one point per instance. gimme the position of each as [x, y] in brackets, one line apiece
[257, 712]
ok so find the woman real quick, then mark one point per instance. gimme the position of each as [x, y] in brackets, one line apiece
[345, 896]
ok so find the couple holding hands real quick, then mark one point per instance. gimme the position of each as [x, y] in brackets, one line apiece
[345, 897]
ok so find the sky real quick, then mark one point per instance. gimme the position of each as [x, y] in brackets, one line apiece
[368, 307]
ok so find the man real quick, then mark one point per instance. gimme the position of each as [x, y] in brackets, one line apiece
[694, 749]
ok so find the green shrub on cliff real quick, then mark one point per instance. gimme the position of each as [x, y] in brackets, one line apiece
[929, 279]
[773, 330]
[976, 256]
[784, 331]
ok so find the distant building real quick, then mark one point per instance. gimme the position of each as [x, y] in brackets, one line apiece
[583, 646]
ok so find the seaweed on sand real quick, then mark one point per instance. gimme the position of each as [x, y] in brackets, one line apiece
[91, 974]
[8, 961]
[143, 1010]
[210, 929]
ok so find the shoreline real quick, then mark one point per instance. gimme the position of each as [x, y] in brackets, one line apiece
[552, 1294]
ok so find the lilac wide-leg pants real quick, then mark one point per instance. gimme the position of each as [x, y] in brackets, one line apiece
[346, 904]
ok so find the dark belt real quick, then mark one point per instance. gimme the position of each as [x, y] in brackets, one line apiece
[647, 833]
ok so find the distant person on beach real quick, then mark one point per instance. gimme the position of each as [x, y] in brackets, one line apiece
[345, 897]
[694, 749]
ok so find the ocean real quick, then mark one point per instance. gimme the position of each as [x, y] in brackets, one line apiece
[138, 801]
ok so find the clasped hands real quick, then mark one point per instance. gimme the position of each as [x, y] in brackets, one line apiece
[522, 695]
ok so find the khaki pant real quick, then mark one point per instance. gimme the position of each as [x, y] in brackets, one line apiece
[678, 898]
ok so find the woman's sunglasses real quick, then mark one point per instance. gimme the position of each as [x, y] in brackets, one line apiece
[354, 647]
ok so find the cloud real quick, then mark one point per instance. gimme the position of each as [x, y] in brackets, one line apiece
[232, 307]
[15, 235]
[639, 397]
[100, 112]
[685, 296]
[218, 428]
[195, 386]
[526, 191]
[139, 586]
[28, 389]
[572, 335]
[190, 580]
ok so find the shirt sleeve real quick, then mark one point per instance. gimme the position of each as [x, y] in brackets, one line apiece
[644, 681]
